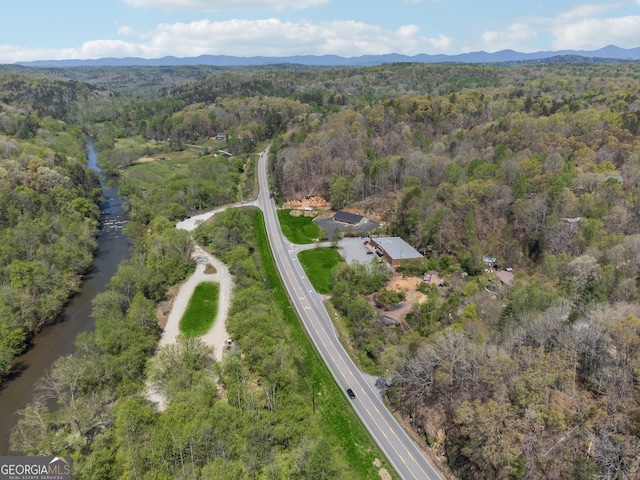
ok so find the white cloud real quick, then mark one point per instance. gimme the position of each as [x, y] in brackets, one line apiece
[129, 32]
[111, 48]
[514, 37]
[584, 11]
[591, 26]
[246, 38]
[220, 5]
[593, 33]
[16, 53]
[583, 27]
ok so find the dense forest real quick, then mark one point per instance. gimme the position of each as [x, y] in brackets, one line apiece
[48, 207]
[537, 166]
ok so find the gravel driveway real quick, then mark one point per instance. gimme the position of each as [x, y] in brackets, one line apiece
[217, 335]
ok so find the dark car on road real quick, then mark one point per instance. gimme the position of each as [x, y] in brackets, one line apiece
[351, 394]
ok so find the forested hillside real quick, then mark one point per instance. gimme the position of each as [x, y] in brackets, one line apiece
[48, 207]
[538, 379]
[537, 166]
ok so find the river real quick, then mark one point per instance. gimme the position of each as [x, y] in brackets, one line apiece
[58, 339]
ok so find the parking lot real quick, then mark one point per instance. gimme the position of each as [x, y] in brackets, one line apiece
[329, 225]
[353, 250]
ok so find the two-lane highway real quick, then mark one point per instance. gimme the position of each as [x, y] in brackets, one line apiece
[402, 452]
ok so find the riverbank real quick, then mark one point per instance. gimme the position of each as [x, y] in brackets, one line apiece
[57, 340]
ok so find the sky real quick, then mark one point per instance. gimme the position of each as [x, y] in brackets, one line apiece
[84, 29]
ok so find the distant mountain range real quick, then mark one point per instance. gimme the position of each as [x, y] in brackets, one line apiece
[609, 53]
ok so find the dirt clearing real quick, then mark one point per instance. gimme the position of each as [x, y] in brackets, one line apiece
[408, 285]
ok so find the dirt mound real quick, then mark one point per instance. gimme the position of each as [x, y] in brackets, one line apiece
[315, 203]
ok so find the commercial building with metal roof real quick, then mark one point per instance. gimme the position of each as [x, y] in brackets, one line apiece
[395, 249]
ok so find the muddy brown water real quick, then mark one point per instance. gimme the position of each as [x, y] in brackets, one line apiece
[58, 339]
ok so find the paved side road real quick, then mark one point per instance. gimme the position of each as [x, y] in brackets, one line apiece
[191, 223]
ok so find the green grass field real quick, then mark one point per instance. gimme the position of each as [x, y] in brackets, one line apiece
[301, 230]
[339, 418]
[318, 265]
[202, 310]
[158, 170]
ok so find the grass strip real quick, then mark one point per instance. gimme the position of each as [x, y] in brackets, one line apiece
[341, 421]
[318, 264]
[201, 311]
[301, 230]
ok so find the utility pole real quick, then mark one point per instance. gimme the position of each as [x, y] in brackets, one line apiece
[313, 395]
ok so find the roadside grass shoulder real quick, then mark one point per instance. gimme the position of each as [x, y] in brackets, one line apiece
[318, 264]
[201, 311]
[300, 230]
[340, 421]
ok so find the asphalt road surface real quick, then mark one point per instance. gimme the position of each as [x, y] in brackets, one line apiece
[407, 459]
